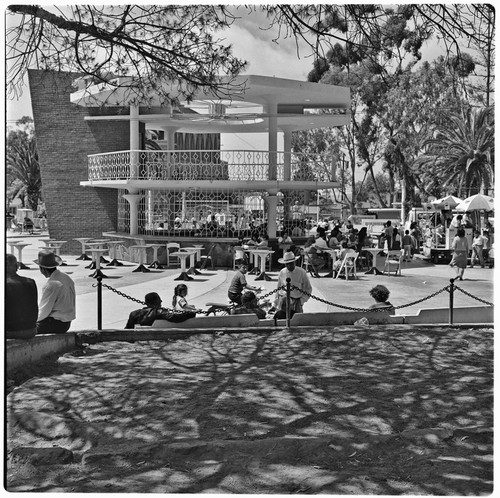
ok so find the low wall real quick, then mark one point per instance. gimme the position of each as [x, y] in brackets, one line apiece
[21, 352]
[470, 314]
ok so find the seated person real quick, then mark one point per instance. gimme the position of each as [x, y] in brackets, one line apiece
[28, 224]
[321, 241]
[333, 241]
[263, 242]
[285, 239]
[21, 302]
[381, 293]
[239, 283]
[248, 306]
[344, 250]
[153, 311]
[312, 256]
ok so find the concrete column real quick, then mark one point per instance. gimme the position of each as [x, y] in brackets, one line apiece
[168, 166]
[272, 212]
[133, 200]
[134, 141]
[287, 146]
[170, 136]
[272, 108]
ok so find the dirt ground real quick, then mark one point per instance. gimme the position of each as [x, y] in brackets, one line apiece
[399, 410]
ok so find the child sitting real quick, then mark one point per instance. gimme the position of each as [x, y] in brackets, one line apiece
[179, 301]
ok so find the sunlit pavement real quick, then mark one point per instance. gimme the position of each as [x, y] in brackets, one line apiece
[419, 280]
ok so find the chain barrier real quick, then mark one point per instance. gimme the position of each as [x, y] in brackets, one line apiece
[122, 294]
[263, 298]
[418, 301]
[473, 297]
[324, 301]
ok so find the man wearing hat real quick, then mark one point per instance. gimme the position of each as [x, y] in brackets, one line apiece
[299, 279]
[57, 305]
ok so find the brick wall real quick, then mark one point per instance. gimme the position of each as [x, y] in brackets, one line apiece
[64, 140]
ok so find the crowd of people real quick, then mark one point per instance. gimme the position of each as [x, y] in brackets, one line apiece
[26, 317]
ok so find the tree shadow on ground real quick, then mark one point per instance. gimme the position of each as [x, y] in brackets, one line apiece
[375, 411]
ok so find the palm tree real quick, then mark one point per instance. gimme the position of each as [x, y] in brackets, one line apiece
[22, 164]
[461, 152]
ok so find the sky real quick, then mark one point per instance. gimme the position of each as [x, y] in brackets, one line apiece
[265, 58]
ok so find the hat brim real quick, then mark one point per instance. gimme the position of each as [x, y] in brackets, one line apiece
[286, 261]
[58, 262]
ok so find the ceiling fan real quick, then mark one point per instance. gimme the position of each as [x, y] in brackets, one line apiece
[218, 112]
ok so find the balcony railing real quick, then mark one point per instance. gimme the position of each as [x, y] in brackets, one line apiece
[233, 165]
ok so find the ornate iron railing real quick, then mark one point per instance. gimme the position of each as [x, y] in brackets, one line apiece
[234, 165]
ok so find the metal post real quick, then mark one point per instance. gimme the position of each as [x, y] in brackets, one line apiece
[288, 280]
[99, 302]
[452, 289]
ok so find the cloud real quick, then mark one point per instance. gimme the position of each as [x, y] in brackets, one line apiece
[265, 57]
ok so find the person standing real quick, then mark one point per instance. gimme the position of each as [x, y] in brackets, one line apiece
[477, 249]
[21, 302]
[389, 234]
[57, 306]
[407, 246]
[299, 281]
[460, 248]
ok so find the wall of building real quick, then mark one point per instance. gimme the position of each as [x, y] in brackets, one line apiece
[64, 140]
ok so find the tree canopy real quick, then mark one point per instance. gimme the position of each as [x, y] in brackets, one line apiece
[152, 43]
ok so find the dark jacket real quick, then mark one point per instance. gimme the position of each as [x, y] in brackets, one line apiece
[147, 316]
[21, 303]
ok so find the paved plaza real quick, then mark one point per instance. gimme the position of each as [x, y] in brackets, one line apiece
[419, 280]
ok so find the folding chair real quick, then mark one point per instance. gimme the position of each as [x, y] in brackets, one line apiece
[348, 265]
[172, 247]
[393, 262]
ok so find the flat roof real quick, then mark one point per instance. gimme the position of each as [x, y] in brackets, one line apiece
[296, 105]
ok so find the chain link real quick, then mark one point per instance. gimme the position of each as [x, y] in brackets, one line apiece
[472, 296]
[122, 294]
[324, 301]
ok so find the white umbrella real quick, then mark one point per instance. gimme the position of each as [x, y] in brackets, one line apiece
[478, 202]
[449, 200]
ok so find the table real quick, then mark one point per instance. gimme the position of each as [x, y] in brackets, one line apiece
[193, 260]
[262, 255]
[255, 268]
[19, 246]
[378, 260]
[183, 255]
[96, 245]
[102, 242]
[141, 257]
[112, 252]
[155, 264]
[55, 246]
[199, 248]
[84, 256]
[96, 262]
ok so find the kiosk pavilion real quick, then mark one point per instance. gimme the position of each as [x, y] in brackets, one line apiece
[174, 180]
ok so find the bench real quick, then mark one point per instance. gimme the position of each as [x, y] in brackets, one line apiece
[209, 322]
